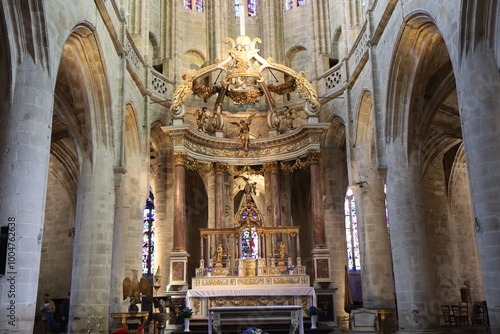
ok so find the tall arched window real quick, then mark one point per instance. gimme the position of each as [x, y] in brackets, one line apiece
[188, 4]
[251, 7]
[148, 236]
[289, 3]
[351, 230]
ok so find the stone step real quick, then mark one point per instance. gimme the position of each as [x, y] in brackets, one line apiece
[274, 327]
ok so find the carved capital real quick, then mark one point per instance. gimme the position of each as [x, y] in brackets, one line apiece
[313, 157]
[273, 167]
[219, 168]
[180, 158]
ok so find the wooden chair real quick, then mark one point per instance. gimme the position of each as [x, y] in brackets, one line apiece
[463, 314]
[455, 310]
[449, 317]
[480, 314]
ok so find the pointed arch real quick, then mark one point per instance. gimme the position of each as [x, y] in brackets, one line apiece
[82, 100]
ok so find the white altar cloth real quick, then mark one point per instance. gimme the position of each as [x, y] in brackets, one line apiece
[275, 291]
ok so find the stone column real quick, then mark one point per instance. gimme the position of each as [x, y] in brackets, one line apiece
[320, 253]
[179, 255]
[376, 272]
[127, 235]
[478, 85]
[92, 257]
[25, 149]
[413, 264]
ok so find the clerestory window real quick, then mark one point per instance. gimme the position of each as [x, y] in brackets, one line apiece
[251, 7]
[290, 3]
[194, 5]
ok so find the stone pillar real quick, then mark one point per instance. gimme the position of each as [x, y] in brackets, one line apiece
[320, 253]
[179, 255]
[92, 259]
[274, 178]
[127, 234]
[413, 264]
[376, 273]
[25, 149]
[478, 84]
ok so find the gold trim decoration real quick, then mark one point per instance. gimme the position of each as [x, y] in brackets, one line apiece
[180, 158]
[244, 82]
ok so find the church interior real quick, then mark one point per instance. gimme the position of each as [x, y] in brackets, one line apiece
[338, 154]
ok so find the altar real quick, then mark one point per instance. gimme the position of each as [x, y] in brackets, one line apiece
[202, 300]
[249, 265]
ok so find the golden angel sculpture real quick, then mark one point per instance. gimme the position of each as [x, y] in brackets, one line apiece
[134, 288]
[244, 131]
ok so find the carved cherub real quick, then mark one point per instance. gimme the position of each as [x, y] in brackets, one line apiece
[134, 288]
[244, 131]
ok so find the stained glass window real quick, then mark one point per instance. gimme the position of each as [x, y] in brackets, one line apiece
[289, 3]
[251, 6]
[249, 243]
[188, 4]
[148, 237]
[351, 230]
[199, 5]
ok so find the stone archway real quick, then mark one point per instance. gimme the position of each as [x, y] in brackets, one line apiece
[422, 127]
[83, 112]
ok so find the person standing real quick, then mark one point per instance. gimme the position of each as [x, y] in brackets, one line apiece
[65, 313]
[47, 309]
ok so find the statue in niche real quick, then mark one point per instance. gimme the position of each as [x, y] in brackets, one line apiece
[220, 253]
[281, 254]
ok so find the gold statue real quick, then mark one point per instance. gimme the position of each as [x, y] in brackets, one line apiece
[281, 252]
[244, 131]
[134, 288]
[220, 252]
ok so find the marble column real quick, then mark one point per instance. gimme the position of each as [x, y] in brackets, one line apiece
[478, 85]
[25, 132]
[413, 263]
[92, 257]
[320, 252]
[274, 178]
[179, 255]
[318, 212]
[219, 201]
[179, 203]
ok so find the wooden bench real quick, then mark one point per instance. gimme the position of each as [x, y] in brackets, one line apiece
[254, 314]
